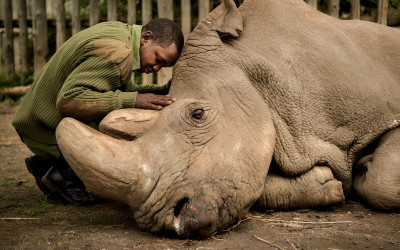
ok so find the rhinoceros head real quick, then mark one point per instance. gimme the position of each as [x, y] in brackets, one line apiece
[199, 164]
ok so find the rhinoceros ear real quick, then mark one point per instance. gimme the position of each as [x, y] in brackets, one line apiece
[232, 23]
[227, 19]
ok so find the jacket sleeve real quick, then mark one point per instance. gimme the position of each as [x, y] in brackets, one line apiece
[92, 90]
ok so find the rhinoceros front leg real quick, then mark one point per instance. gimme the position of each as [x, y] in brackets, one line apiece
[377, 175]
[315, 188]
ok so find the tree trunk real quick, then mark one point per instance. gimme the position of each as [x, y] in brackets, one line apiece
[204, 8]
[147, 79]
[186, 18]
[60, 22]
[111, 10]
[355, 9]
[165, 10]
[131, 12]
[9, 39]
[40, 35]
[76, 17]
[313, 3]
[23, 34]
[333, 8]
[383, 6]
[94, 12]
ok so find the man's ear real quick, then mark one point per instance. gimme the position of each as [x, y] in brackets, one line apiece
[146, 37]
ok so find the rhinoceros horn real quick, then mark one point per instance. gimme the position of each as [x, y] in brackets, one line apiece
[109, 166]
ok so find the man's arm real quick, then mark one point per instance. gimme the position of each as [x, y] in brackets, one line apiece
[152, 96]
[91, 91]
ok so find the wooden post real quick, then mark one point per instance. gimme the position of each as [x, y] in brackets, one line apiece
[313, 3]
[94, 12]
[60, 22]
[9, 39]
[186, 18]
[383, 6]
[147, 79]
[165, 10]
[1, 50]
[40, 35]
[23, 34]
[111, 10]
[333, 8]
[131, 12]
[132, 20]
[204, 8]
[355, 9]
[76, 17]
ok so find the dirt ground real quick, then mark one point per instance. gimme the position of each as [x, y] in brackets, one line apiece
[29, 220]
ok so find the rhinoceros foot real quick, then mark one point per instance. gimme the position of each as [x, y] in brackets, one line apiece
[315, 188]
[377, 175]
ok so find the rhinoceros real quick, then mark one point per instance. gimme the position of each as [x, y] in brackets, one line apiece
[278, 105]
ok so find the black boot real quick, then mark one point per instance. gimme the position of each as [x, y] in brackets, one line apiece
[38, 168]
[62, 180]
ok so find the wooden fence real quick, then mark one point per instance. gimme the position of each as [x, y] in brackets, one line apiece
[32, 22]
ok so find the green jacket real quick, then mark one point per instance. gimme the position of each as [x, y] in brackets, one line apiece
[88, 77]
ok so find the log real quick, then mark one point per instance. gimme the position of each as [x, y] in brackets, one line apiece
[16, 91]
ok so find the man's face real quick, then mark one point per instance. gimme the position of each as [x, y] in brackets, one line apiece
[153, 56]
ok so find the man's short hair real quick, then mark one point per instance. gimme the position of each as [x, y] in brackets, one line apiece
[165, 32]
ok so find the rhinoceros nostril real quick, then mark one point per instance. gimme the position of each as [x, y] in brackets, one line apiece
[181, 205]
[193, 217]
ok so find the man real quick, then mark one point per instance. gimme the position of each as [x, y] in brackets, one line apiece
[88, 77]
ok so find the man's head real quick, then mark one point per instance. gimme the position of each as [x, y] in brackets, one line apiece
[161, 44]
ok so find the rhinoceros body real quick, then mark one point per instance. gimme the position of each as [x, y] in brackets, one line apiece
[277, 104]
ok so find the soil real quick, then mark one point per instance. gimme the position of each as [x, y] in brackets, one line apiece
[29, 220]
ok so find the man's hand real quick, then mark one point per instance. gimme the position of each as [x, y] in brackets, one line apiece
[152, 101]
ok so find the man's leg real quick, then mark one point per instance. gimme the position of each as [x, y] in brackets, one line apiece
[45, 156]
[54, 176]
[62, 180]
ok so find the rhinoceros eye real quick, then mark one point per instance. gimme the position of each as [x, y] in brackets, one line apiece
[197, 114]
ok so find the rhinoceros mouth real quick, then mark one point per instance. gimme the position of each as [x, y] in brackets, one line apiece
[199, 209]
[195, 218]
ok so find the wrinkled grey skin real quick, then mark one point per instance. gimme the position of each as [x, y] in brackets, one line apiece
[275, 88]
